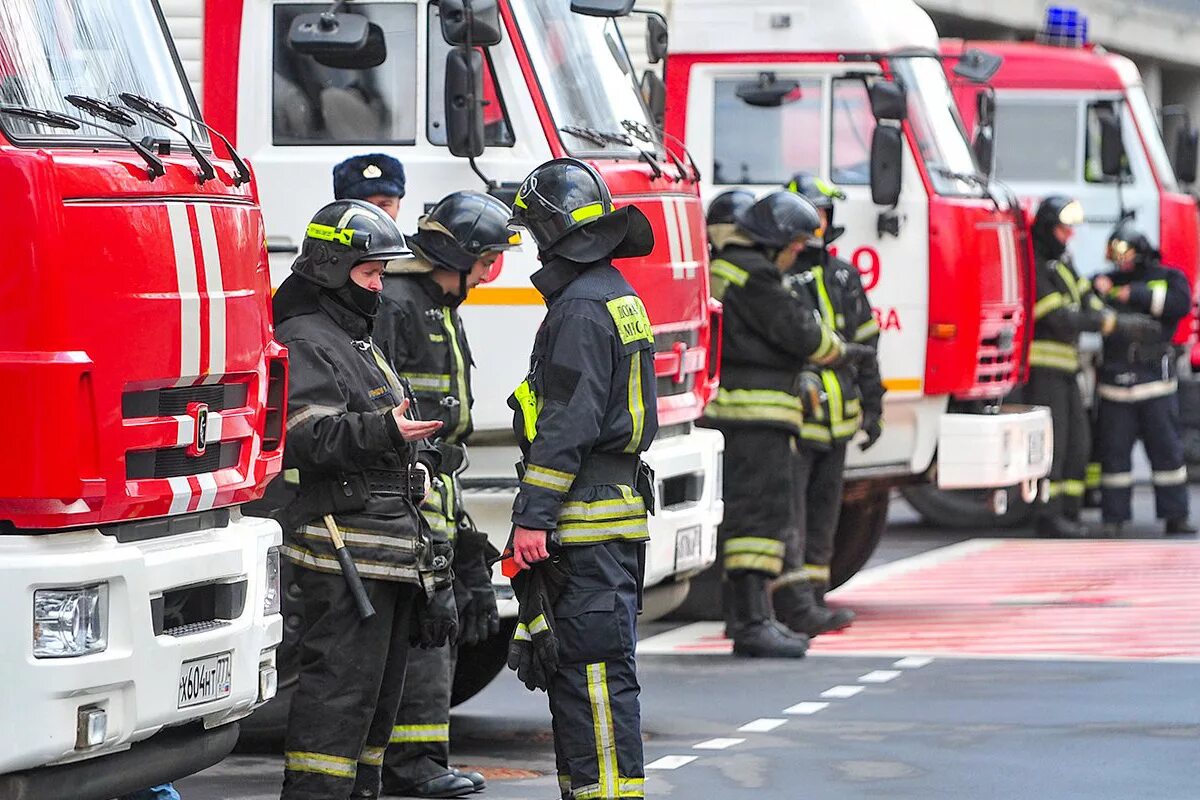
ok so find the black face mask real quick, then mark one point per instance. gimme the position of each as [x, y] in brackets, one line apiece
[356, 298]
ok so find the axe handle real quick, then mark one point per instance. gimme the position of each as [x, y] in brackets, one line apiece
[349, 570]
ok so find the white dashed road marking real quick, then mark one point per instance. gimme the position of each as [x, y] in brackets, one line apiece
[842, 692]
[717, 744]
[671, 762]
[880, 676]
[913, 662]
[764, 725]
[805, 708]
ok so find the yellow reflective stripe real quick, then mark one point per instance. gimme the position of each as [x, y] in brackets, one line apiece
[637, 404]
[1095, 303]
[1117, 480]
[1093, 475]
[291, 476]
[538, 625]
[564, 784]
[755, 544]
[729, 271]
[311, 412]
[530, 407]
[321, 764]
[1073, 488]
[826, 305]
[420, 733]
[1051, 302]
[866, 330]
[1158, 297]
[602, 729]
[427, 381]
[817, 572]
[368, 569]
[580, 511]
[626, 787]
[521, 634]
[358, 536]
[1071, 281]
[764, 405]
[1171, 477]
[329, 233]
[768, 564]
[815, 432]
[548, 478]
[592, 532]
[460, 382]
[829, 349]
[589, 211]
[1057, 355]
[833, 391]
[372, 756]
[388, 373]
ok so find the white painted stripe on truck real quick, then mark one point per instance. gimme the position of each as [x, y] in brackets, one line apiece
[208, 491]
[189, 294]
[673, 245]
[215, 286]
[181, 495]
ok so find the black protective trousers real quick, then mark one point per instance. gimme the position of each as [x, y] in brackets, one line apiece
[819, 475]
[594, 696]
[760, 489]
[1156, 423]
[1059, 391]
[351, 679]
[419, 747]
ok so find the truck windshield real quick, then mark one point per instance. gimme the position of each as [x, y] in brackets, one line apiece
[52, 48]
[1147, 123]
[588, 79]
[936, 126]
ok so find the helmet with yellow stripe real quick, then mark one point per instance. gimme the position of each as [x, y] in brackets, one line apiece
[568, 210]
[342, 234]
[461, 229]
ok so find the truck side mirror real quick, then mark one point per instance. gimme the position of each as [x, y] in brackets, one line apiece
[602, 8]
[888, 101]
[887, 153]
[464, 106]
[654, 91]
[977, 66]
[768, 91]
[1187, 147]
[473, 22]
[1112, 149]
[342, 41]
[656, 38]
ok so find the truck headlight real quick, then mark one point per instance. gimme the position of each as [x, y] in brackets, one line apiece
[271, 583]
[70, 622]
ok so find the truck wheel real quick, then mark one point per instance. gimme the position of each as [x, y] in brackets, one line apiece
[479, 664]
[860, 527]
[966, 508]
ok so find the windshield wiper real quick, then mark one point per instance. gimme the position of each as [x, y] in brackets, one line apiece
[156, 115]
[139, 101]
[52, 119]
[110, 113]
[587, 134]
[979, 181]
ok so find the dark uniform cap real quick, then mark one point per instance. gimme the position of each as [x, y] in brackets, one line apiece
[567, 208]
[360, 177]
[779, 219]
[821, 192]
[342, 234]
[724, 207]
[461, 229]
[1127, 236]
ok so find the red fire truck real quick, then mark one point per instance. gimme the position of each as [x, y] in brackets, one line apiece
[142, 405]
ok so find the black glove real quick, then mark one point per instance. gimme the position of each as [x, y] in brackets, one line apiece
[854, 354]
[478, 618]
[533, 651]
[873, 424]
[1138, 327]
[435, 619]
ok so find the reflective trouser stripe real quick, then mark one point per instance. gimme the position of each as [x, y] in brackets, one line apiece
[1068, 488]
[755, 553]
[420, 733]
[321, 764]
[1054, 355]
[818, 573]
[626, 787]
[372, 756]
[602, 725]
[1139, 392]
[1173, 477]
[1116, 480]
[1093, 475]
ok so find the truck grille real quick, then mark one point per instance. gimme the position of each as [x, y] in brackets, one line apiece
[998, 350]
[173, 402]
[666, 343]
[174, 462]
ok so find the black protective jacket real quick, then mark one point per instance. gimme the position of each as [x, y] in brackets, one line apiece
[1132, 370]
[833, 288]
[1065, 307]
[587, 409]
[342, 438]
[767, 339]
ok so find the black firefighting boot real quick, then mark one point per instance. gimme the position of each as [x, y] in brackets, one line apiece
[820, 588]
[797, 607]
[1179, 527]
[1057, 526]
[756, 633]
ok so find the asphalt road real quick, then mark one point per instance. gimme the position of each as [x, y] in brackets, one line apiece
[987, 670]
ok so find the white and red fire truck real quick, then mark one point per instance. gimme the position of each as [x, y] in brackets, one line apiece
[555, 83]
[142, 405]
[857, 95]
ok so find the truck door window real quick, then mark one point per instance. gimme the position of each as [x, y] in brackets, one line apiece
[1151, 131]
[853, 123]
[786, 139]
[936, 127]
[1037, 141]
[51, 48]
[497, 131]
[316, 104]
[1093, 172]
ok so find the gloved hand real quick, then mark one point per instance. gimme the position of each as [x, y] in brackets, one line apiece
[533, 651]
[478, 617]
[435, 619]
[1138, 327]
[854, 354]
[873, 425]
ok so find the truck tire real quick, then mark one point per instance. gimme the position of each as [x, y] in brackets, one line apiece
[966, 508]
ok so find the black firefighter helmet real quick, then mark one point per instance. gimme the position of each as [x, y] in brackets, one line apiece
[780, 218]
[1055, 210]
[821, 192]
[568, 210]
[1128, 237]
[461, 229]
[724, 208]
[342, 234]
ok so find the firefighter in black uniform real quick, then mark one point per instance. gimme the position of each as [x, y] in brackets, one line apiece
[420, 331]
[843, 399]
[1138, 383]
[360, 482]
[768, 338]
[1064, 308]
[583, 415]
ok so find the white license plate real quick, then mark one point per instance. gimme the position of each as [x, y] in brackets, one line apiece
[203, 680]
[688, 553]
[1037, 446]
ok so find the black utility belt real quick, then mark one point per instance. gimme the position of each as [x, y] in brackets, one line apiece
[394, 482]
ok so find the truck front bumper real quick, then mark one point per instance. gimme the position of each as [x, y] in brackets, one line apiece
[982, 451]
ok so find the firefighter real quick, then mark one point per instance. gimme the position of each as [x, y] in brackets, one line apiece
[721, 219]
[361, 478]
[1138, 383]
[844, 399]
[584, 414]
[422, 334]
[1065, 307]
[418, 765]
[767, 339]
